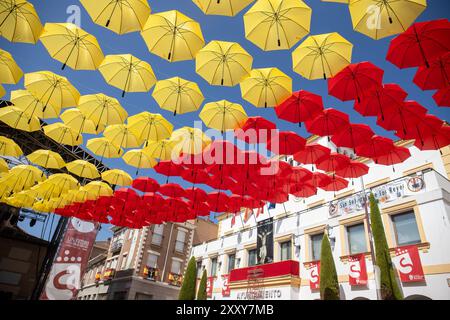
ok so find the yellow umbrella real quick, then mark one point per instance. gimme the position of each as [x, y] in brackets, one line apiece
[46, 159]
[78, 121]
[322, 55]
[337, 1]
[139, 158]
[128, 73]
[101, 109]
[2, 91]
[149, 126]
[98, 188]
[21, 177]
[222, 7]
[160, 149]
[56, 185]
[83, 169]
[30, 104]
[380, 19]
[173, 36]
[104, 147]
[120, 16]
[19, 21]
[72, 46]
[18, 119]
[9, 148]
[3, 166]
[54, 203]
[63, 134]
[122, 136]
[266, 87]
[117, 177]
[178, 95]
[52, 89]
[277, 24]
[223, 63]
[23, 199]
[10, 72]
[190, 140]
[223, 115]
[42, 206]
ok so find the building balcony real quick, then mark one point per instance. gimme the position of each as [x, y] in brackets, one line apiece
[175, 279]
[116, 246]
[108, 275]
[151, 273]
[287, 270]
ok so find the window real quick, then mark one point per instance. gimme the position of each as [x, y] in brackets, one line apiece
[213, 272]
[152, 260]
[316, 245]
[231, 262]
[356, 236]
[199, 269]
[286, 250]
[157, 236]
[124, 262]
[252, 258]
[176, 267]
[179, 243]
[405, 228]
[114, 263]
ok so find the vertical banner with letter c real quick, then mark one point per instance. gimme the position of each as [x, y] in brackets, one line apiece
[357, 270]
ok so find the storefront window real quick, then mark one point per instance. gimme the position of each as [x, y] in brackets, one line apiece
[405, 227]
[286, 249]
[316, 245]
[356, 238]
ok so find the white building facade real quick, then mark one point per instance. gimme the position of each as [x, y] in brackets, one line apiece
[414, 200]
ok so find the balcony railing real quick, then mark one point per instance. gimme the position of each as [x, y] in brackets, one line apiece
[151, 273]
[116, 246]
[108, 275]
[175, 279]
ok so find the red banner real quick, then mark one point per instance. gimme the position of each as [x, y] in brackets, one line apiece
[64, 279]
[209, 287]
[225, 286]
[314, 275]
[357, 273]
[407, 262]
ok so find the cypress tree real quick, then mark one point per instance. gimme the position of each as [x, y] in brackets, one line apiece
[187, 291]
[329, 285]
[201, 293]
[389, 288]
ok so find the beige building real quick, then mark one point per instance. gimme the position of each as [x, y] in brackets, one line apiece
[143, 264]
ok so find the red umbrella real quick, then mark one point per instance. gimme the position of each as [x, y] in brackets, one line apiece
[153, 201]
[311, 153]
[333, 162]
[435, 139]
[126, 194]
[420, 44]
[201, 209]
[336, 184]
[255, 130]
[299, 107]
[403, 118]
[352, 136]
[145, 184]
[442, 97]
[375, 147]
[218, 201]
[354, 169]
[221, 152]
[375, 101]
[300, 175]
[196, 194]
[437, 76]
[303, 190]
[396, 155]
[352, 81]
[168, 168]
[195, 176]
[192, 161]
[286, 143]
[320, 179]
[172, 190]
[328, 122]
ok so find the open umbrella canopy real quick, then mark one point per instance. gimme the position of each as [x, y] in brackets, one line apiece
[63, 134]
[145, 184]
[333, 162]
[222, 7]
[322, 56]
[47, 159]
[21, 177]
[148, 126]
[172, 190]
[286, 143]
[79, 122]
[121, 136]
[311, 153]
[442, 97]
[354, 169]
[3, 166]
[420, 44]
[436, 76]
[394, 156]
[173, 36]
[352, 135]
[196, 194]
[380, 19]
[352, 81]
[117, 177]
[52, 89]
[374, 147]
[83, 169]
[434, 139]
[18, 119]
[255, 130]
[403, 117]
[72, 46]
[178, 95]
[328, 122]
[10, 72]
[162, 149]
[30, 104]
[218, 201]
[337, 183]
[104, 147]
[19, 21]
[189, 140]
[223, 115]
[277, 24]
[9, 148]
[223, 63]
[127, 73]
[196, 176]
[299, 107]
[302, 190]
[139, 159]
[122, 16]
[266, 87]
[98, 189]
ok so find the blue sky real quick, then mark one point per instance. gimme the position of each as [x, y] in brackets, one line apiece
[326, 17]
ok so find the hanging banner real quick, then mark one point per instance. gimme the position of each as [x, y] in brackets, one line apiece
[357, 272]
[407, 261]
[71, 260]
[264, 242]
[209, 287]
[314, 275]
[225, 285]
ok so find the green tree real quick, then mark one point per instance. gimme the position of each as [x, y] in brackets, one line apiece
[201, 293]
[329, 285]
[389, 288]
[187, 291]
